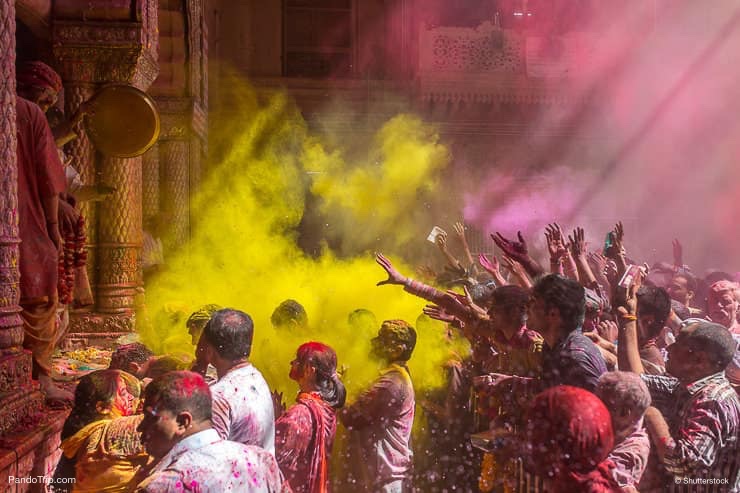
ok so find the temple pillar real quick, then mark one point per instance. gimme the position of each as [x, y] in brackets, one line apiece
[95, 47]
[150, 182]
[83, 160]
[119, 237]
[17, 393]
[181, 92]
[175, 189]
[29, 433]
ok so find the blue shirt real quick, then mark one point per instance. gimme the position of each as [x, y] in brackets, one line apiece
[575, 360]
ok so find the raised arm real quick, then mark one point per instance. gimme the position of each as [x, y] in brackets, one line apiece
[578, 247]
[518, 251]
[441, 242]
[628, 352]
[561, 260]
[518, 271]
[429, 293]
[492, 267]
[460, 232]
[617, 251]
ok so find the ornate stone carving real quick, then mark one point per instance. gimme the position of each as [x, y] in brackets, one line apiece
[9, 289]
[99, 324]
[119, 236]
[120, 214]
[98, 53]
[489, 65]
[204, 64]
[195, 48]
[83, 160]
[150, 182]
[15, 371]
[196, 164]
[100, 33]
[174, 126]
[472, 50]
[175, 163]
[21, 410]
[200, 121]
[11, 326]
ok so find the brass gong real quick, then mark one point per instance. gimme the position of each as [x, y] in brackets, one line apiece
[124, 122]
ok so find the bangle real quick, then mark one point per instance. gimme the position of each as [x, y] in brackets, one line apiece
[51, 222]
[408, 282]
[631, 318]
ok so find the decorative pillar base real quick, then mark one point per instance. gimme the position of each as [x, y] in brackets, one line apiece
[99, 329]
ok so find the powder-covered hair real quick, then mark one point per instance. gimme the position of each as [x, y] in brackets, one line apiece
[324, 359]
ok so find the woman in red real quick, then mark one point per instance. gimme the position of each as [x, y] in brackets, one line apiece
[305, 433]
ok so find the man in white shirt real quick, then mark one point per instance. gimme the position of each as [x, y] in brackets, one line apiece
[242, 404]
[176, 431]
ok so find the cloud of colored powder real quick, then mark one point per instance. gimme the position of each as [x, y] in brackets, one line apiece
[644, 132]
[243, 251]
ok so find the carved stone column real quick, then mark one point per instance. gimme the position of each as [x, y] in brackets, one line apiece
[94, 47]
[119, 237]
[150, 182]
[196, 164]
[19, 399]
[175, 187]
[83, 160]
[11, 326]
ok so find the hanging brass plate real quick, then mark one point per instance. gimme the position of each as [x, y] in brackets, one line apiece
[124, 123]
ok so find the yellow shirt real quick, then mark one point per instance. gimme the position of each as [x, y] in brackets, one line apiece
[109, 454]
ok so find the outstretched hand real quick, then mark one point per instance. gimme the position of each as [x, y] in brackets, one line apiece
[617, 240]
[491, 265]
[459, 230]
[394, 277]
[515, 249]
[677, 253]
[278, 404]
[578, 244]
[626, 301]
[555, 243]
[438, 313]
[441, 241]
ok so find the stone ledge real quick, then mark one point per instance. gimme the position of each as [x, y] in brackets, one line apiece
[31, 452]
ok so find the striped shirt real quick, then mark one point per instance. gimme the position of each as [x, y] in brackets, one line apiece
[704, 422]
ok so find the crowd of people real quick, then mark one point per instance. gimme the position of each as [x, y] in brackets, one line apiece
[595, 375]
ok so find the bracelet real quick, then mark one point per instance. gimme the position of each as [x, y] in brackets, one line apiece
[408, 282]
[631, 318]
[51, 222]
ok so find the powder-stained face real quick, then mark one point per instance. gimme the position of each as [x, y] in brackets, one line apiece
[722, 307]
[159, 430]
[44, 97]
[678, 290]
[124, 403]
[296, 369]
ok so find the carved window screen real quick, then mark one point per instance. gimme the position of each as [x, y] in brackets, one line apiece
[318, 38]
